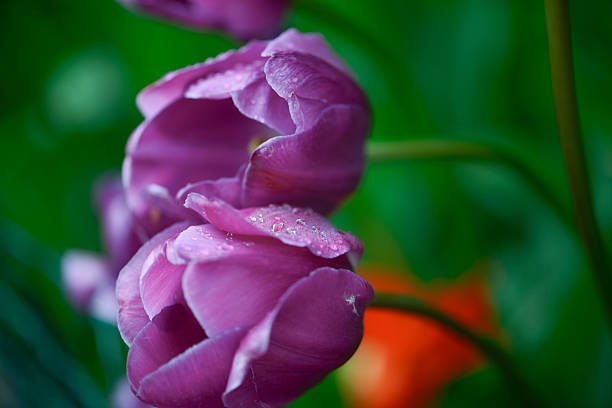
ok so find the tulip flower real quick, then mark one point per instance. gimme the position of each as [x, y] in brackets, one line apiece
[89, 278]
[249, 310]
[407, 360]
[244, 19]
[279, 121]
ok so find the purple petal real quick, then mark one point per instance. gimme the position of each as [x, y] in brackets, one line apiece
[173, 85]
[309, 84]
[222, 84]
[243, 19]
[312, 43]
[82, 274]
[118, 229]
[316, 168]
[315, 328]
[206, 243]
[221, 215]
[228, 189]
[254, 277]
[259, 102]
[170, 333]
[291, 225]
[197, 377]
[189, 141]
[104, 305]
[184, 12]
[253, 18]
[160, 281]
[132, 316]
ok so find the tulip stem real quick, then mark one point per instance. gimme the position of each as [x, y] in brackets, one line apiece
[489, 347]
[456, 150]
[562, 72]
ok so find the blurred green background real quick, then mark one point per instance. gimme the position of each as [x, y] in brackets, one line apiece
[473, 70]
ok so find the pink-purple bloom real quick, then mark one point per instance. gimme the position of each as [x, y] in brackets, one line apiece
[89, 278]
[280, 121]
[250, 309]
[245, 19]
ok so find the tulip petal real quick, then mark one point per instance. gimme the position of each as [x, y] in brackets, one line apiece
[316, 326]
[189, 141]
[103, 305]
[253, 18]
[228, 189]
[309, 84]
[204, 243]
[312, 43]
[173, 85]
[255, 279]
[290, 225]
[243, 19]
[120, 239]
[170, 333]
[132, 316]
[82, 274]
[258, 101]
[160, 281]
[316, 168]
[222, 84]
[195, 378]
[185, 12]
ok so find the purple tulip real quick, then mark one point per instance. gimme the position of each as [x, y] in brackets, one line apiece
[249, 310]
[244, 19]
[89, 278]
[273, 122]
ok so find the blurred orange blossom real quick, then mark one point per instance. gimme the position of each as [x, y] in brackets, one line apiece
[406, 360]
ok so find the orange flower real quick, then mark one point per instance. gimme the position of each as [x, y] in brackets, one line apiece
[405, 360]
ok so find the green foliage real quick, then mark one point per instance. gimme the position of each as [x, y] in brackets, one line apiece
[456, 69]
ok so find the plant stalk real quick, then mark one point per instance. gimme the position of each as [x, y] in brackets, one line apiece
[456, 150]
[489, 347]
[562, 73]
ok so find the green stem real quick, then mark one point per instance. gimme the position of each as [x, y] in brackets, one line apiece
[490, 348]
[456, 150]
[562, 72]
